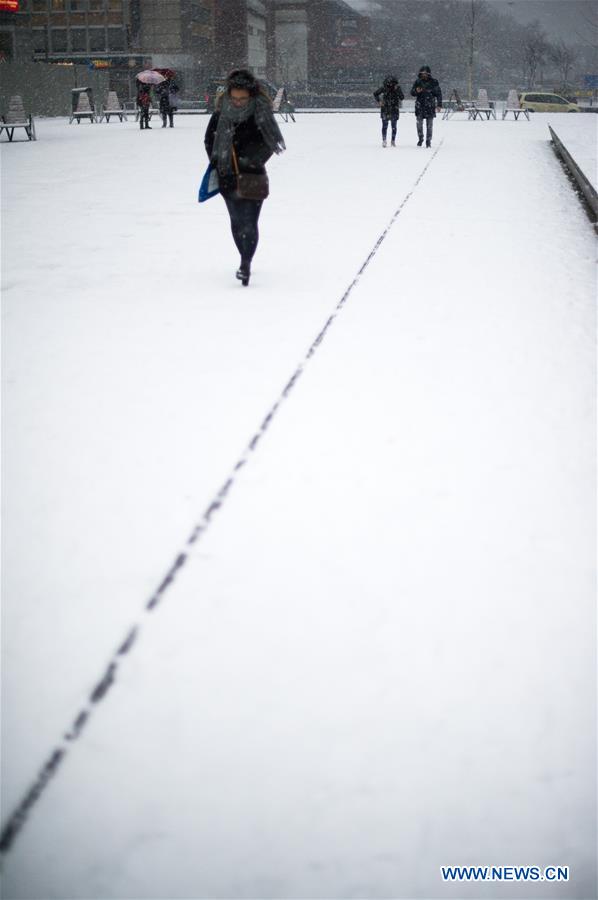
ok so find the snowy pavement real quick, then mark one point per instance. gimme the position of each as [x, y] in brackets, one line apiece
[380, 656]
[581, 140]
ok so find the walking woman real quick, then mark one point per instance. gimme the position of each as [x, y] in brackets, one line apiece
[240, 138]
[392, 94]
[143, 102]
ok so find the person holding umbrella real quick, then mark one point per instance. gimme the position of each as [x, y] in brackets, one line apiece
[143, 102]
[145, 80]
[241, 136]
[168, 96]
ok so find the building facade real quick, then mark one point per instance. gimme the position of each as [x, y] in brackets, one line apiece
[96, 33]
[285, 41]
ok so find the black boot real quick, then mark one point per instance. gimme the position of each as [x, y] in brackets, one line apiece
[243, 272]
[420, 142]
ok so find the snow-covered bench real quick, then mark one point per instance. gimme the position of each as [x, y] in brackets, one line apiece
[16, 117]
[281, 105]
[513, 105]
[113, 107]
[84, 110]
[185, 108]
[135, 111]
[482, 107]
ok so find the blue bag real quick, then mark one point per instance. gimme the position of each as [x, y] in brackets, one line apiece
[210, 185]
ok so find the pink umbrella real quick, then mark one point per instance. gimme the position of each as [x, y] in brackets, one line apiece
[150, 77]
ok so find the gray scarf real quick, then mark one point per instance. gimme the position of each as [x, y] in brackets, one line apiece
[231, 116]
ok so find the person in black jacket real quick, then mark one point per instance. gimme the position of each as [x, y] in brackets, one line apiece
[428, 100]
[243, 134]
[392, 95]
[167, 92]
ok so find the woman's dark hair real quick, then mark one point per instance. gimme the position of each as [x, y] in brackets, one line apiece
[245, 80]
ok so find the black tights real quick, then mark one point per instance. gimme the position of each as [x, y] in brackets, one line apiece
[244, 215]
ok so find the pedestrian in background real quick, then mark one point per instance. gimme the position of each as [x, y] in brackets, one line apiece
[391, 94]
[428, 101]
[144, 100]
[241, 136]
[168, 103]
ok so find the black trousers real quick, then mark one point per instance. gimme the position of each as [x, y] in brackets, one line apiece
[170, 115]
[244, 216]
[144, 117]
[393, 127]
[429, 120]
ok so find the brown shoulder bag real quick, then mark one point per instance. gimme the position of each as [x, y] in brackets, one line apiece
[250, 185]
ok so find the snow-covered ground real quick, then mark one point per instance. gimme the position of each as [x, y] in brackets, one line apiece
[380, 657]
[581, 140]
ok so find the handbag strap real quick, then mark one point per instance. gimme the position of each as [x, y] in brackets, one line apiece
[235, 163]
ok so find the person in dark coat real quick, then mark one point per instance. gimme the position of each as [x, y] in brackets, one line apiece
[391, 94]
[144, 102]
[168, 101]
[428, 101]
[244, 125]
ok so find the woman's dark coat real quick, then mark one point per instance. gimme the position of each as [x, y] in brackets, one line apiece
[143, 98]
[165, 92]
[251, 149]
[428, 98]
[163, 103]
[392, 94]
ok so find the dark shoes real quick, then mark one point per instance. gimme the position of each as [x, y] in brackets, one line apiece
[420, 142]
[428, 143]
[243, 273]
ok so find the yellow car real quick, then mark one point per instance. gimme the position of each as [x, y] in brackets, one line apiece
[546, 103]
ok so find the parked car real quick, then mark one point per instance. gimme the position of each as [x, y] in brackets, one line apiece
[546, 103]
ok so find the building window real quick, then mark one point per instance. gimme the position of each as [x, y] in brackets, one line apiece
[39, 6]
[116, 39]
[97, 39]
[6, 48]
[77, 5]
[96, 5]
[40, 40]
[58, 5]
[58, 36]
[78, 40]
[115, 5]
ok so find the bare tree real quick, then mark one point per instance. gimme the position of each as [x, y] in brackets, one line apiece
[564, 57]
[588, 32]
[534, 50]
[472, 37]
